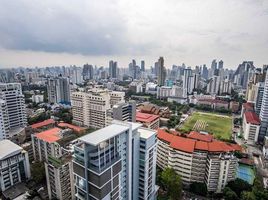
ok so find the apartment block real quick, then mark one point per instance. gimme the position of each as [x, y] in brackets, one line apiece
[14, 165]
[116, 162]
[251, 126]
[90, 108]
[198, 158]
[12, 110]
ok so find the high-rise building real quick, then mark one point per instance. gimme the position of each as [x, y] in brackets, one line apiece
[142, 66]
[124, 111]
[12, 110]
[264, 112]
[88, 72]
[14, 165]
[113, 69]
[213, 86]
[186, 82]
[90, 108]
[116, 162]
[76, 75]
[205, 72]
[220, 66]
[259, 88]
[58, 90]
[161, 72]
[225, 86]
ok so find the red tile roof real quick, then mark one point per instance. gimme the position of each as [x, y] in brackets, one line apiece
[51, 135]
[248, 106]
[214, 101]
[190, 144]
[144, 117]
[163, 135]
[252, 118]
[71, 126]
[183, 144]
[43, 123]
[199, 136]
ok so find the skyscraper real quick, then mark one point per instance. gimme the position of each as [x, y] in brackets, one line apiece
[88, 72]
[142, 66]
[186, 82]
[116, 162]
[113, 69]
[264, 112]
[58, 90]
[12, 110]
[161, 71]
[220, 64]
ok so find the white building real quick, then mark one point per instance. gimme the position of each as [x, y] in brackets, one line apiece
[90, 108]
[14, 165]
[213, 86]
[264, 112]
[225, 87]
[251, 126]
[116, 162]
[12, 110]
[151, 88]
[58, 90]
[187, 82]
[38, 98]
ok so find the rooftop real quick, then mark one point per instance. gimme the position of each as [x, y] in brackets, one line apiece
[144, 117]
[189, 145]
[248, 106]
[252, 118]
[71, 126]
[8, 148]
[51, 135]
[199, 136]
[146, 133]
[43, 123]
[108, 132]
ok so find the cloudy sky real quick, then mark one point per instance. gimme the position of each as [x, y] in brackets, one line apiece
[66, 32]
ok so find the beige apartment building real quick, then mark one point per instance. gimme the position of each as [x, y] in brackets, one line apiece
[90, 108]
[198, 158]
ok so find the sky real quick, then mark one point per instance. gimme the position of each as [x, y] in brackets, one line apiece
[75, 32]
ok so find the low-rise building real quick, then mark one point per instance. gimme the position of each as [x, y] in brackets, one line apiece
[198, 158]
[148, 120]
[251, 126]
[14, 165]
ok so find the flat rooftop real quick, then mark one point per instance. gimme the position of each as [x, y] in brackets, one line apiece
[108, 132]
[146, 133]
[8, 148]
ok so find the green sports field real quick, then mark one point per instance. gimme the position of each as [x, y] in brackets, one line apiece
[218, 125]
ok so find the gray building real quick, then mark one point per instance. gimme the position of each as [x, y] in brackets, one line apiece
[116, 162]
[58, 90]
[264, 112]
[124, 111]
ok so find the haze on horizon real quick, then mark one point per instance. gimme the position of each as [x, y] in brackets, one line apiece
[49, 33]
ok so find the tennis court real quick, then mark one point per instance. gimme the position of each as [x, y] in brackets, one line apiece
[246, 173]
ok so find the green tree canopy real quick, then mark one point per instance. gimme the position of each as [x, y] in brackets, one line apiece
[199, 188]
[172, 183]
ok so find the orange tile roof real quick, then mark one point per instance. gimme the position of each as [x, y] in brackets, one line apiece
[43, 123]
[51, 135]
[191, 144]
[200, 136]
[252, 118]
[163, 135]
[71, 126]
[183, 144]
[200, 145]
[144, 117]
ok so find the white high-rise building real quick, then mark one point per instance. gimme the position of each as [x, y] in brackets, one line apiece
[186, 82]
[264, 112]
[213, 86]
[58, 90]
[116, 162]
[14, 165]
[12, 110]
[90, 108]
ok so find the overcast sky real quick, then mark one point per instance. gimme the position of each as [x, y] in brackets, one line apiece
[67, 32]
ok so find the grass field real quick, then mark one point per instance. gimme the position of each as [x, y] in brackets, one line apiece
[218, 125]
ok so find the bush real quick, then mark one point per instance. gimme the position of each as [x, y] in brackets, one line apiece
[199, 188]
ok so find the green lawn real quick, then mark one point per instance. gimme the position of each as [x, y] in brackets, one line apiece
[218, 125]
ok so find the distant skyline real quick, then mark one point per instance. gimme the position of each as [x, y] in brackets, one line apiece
[56, 33]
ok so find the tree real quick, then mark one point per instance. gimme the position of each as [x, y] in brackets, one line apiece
[229, 194]
[238, 186]
[199, 188]
[247, 196]
[172, 183]
[38, 172]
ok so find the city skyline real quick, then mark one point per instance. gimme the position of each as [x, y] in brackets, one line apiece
[190, 32]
